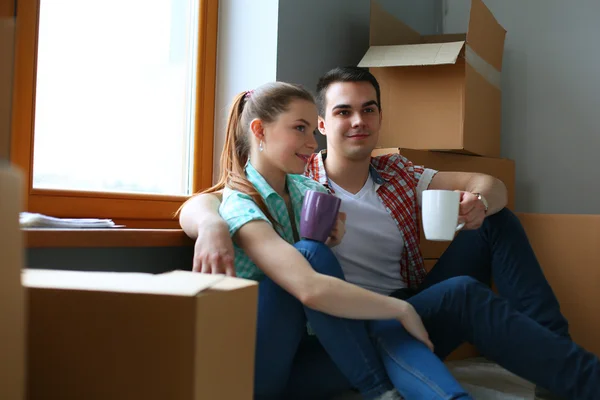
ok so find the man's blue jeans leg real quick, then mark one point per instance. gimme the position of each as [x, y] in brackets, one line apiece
[500, 250]
[462, 308]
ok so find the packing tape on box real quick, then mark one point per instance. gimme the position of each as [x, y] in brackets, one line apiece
[484, 68]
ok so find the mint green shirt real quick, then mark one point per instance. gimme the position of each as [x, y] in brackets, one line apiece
[237, 209]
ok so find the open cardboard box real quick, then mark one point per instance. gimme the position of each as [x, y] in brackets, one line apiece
[12, 295]
[438, 92]
[176, 336]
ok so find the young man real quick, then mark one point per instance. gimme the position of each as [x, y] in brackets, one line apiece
[380, 251]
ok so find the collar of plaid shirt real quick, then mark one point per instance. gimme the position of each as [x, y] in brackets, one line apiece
[398, 193]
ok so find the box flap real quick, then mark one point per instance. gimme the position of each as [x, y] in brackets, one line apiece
[445, 38]
[386, 30]
[485, 35]
[176, 283]
[411, 55]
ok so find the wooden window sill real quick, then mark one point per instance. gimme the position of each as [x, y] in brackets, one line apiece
[56, 238]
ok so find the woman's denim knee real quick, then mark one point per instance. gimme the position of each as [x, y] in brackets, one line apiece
[320, 257]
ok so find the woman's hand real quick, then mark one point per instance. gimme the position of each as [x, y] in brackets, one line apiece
[338, 231]
[414, 325]
[213, 251]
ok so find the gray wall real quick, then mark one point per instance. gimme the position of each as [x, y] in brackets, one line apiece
[317, 35]
[551, 99]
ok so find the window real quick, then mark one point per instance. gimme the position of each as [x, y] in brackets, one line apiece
[113, 106]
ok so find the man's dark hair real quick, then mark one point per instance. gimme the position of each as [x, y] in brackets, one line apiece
[344, 74]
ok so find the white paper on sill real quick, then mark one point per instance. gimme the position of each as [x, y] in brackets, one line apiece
[35, 220]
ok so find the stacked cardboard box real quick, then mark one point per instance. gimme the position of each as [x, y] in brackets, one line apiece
[441, 99]
[439, 92]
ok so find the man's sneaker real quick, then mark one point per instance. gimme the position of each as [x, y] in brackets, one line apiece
[544, 394]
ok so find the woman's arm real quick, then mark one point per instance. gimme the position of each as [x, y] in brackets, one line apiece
[286, 266]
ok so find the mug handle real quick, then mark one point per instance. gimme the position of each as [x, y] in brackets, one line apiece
[460, 226]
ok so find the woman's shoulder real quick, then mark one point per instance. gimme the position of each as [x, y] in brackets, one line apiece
[234, 200]
[233, 195]
[238, 208]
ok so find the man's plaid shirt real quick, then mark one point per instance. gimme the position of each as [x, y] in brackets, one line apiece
[398, 185]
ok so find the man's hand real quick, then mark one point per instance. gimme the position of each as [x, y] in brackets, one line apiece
[471, 211]
[338, 231]
[213, 251]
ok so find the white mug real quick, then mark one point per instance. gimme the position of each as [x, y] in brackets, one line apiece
[440, 214]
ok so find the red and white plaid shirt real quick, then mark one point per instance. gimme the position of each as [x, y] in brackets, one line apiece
[397, 180]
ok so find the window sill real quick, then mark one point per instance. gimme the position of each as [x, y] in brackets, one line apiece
[56, 238]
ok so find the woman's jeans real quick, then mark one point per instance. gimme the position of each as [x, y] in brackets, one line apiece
[282, 327]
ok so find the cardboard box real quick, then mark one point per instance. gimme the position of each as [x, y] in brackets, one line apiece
[438, 92]
[176, 336]
[7, 35]
[567, 248]
[12, 295]
[500, 168]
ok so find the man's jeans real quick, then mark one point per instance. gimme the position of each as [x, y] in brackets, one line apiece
[522, 329]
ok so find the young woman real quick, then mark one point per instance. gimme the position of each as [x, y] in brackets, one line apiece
[269, 140]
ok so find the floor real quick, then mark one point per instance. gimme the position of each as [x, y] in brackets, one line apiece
[484, 380]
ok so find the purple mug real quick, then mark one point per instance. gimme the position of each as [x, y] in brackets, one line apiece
[319, 214]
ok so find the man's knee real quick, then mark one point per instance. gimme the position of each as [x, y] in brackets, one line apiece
[462, 286]
[502, 218]
[320, 257]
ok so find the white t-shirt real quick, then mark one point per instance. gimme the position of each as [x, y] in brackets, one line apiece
[372, 247]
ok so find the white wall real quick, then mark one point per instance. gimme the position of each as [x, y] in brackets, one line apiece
[246, 56]
[551, 99]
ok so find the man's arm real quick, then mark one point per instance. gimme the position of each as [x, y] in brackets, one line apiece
[200, 220]
[491, 188]
[472, 210]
